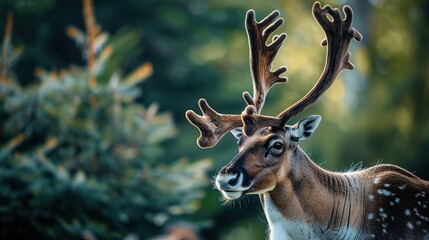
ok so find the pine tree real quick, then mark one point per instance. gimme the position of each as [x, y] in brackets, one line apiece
[79, 158]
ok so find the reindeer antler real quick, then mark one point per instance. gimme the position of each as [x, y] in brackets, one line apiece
[339, 32]
[212, 125]
[262, 56]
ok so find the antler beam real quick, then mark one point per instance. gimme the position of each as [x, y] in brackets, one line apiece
[262, 56]
[339, 33]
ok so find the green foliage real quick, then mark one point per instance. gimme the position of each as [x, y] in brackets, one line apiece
[78, 162]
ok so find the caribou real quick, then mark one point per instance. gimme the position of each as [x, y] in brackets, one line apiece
[300, 199]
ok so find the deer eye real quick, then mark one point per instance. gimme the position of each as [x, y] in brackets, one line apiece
[277, 145]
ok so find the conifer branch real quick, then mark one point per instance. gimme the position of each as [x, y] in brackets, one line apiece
[91, 29]
[5, 47]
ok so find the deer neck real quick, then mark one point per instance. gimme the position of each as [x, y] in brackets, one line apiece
[310, 201]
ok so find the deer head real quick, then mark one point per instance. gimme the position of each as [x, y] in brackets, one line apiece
[266, 143]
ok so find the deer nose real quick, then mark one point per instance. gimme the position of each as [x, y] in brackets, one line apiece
[233, 181]
[230, 179]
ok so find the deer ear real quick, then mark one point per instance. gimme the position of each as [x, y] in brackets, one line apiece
[304, 128]
[238, 133]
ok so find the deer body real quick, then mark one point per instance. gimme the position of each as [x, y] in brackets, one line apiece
[382, 202]
[300, 199]
[320, 205]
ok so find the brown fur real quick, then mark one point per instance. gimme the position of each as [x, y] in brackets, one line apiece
[303, 191]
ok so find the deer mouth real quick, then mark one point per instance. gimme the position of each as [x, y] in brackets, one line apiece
[232, 195]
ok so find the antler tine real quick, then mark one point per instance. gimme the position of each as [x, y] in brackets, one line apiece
[212, 125]
[339, 34]
[262, 56]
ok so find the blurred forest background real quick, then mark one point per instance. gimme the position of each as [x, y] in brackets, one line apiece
[93, 139]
